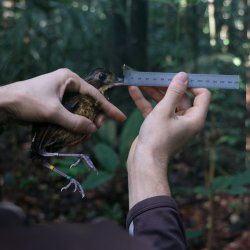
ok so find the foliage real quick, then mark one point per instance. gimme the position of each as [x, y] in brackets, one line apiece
[111, 157]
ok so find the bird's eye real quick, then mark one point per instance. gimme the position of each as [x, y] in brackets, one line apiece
[102, 76]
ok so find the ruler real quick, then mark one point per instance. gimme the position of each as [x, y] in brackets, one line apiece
[160, 79]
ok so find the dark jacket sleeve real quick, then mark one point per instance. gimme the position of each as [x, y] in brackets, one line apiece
[157, 219]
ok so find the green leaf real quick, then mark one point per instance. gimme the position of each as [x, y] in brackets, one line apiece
[242, 178]
[113, 211]
[201, 190]
[27, 181]
[239, 183]
[231, 140]
[97, 180]
[64, 164]
[194, 234]
[221, 183]
[9, 179]
[238, 190]
[234, 184]
[108, 131]
[130, 131]
[106, 156]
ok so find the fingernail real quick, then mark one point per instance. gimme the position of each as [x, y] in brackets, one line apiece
[181, 77]
[92, 128]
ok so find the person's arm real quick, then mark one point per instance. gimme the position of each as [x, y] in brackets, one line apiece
[4, 103]
[39, 100]
[165, 130]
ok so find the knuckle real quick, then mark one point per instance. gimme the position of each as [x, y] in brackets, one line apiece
[52, 112]
[65, 72]
[79, 123]
[69, 78]
[69, 82]
[75, 126]
[208, 93]
[176, 91]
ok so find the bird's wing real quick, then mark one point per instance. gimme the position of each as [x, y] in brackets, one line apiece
[71, 101]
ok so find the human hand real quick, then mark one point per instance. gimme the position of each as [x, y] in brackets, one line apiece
[166, 128]
[39, 100]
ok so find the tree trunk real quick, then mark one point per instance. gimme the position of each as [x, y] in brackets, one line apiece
[119, 42]
[138, 34]
[192, 31]
[247, 29]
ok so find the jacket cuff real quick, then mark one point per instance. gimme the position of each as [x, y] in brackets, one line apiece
[149, 204]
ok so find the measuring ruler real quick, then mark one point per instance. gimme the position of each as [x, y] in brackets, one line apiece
[161, 79]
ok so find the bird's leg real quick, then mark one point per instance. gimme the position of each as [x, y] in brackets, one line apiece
[80, 157]
[76, 184]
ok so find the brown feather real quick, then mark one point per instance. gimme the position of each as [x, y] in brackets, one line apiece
[51, 137]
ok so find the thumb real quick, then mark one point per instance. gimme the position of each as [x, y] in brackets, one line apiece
[175, 92]
[73, 122]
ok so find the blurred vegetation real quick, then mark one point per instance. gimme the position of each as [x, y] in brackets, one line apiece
[210, 178]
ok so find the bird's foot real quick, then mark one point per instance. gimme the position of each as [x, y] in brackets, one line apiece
[80, 157]
[76, 184]
[88, 161]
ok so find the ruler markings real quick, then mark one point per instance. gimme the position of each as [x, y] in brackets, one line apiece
[195, 80]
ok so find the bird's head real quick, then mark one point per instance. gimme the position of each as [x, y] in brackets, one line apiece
[102, 79]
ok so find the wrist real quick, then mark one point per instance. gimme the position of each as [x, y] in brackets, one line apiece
[146, 159]
[147, 176]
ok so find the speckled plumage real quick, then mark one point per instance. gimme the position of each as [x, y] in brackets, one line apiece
[50, 137]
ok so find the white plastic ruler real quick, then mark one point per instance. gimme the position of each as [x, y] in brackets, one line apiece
[211, 81]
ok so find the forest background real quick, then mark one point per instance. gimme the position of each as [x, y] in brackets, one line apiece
[210, 178]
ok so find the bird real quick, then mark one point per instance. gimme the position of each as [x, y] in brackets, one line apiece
[49, 138]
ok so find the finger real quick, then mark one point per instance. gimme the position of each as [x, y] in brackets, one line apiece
[99, 120]
[70, 81]
[75, 83]
[184, 104]
[201, 102]
[155, 93]
[163, 89]
[140, 101]
[108, 108]
[73, 122]
[174, 93]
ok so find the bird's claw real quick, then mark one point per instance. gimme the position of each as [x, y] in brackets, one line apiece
[77, 186]
[75, 164]
[88, 161]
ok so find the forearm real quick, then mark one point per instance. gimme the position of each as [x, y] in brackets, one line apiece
[147, 176]
[153, 213]
[6, 100]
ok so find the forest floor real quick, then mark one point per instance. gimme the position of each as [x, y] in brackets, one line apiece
[225, 218]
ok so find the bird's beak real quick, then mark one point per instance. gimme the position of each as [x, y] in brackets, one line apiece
[119, 82]
[119, 79]
[109, 86]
